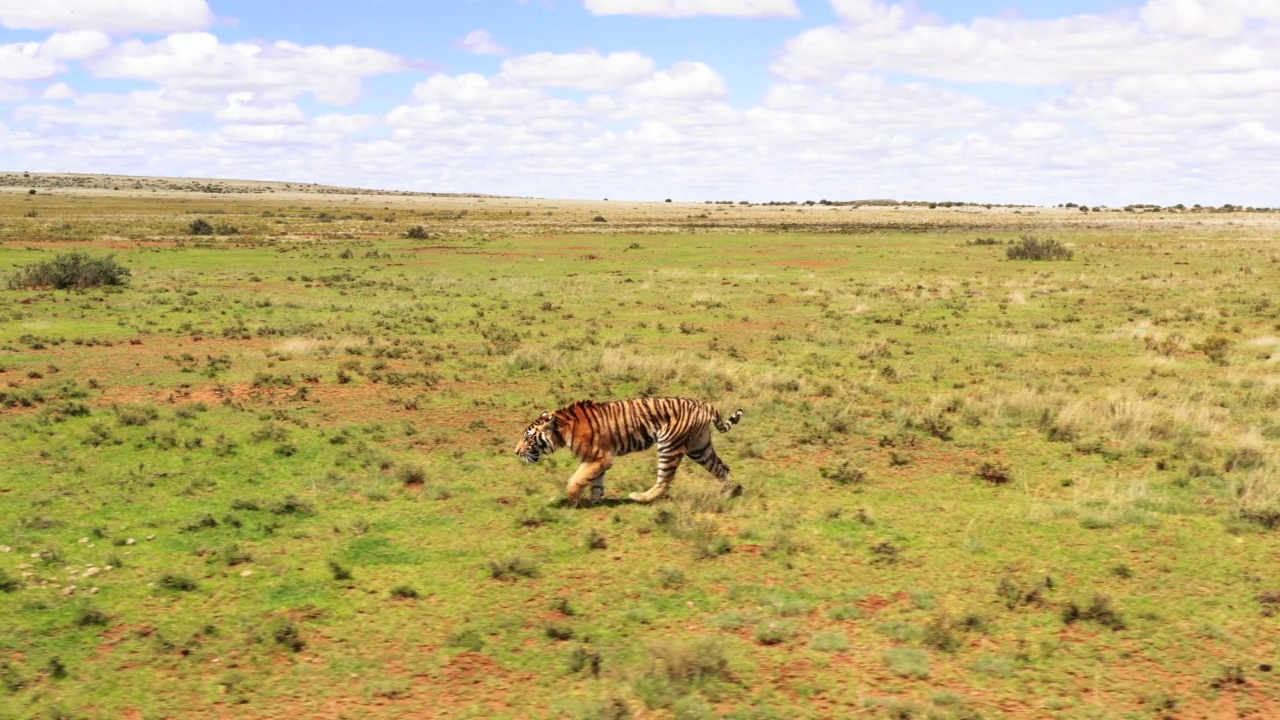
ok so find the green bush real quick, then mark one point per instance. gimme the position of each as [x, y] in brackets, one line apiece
[72, 270]
[1034, 248]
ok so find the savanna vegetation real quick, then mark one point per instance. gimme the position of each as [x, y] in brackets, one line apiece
[269, 472]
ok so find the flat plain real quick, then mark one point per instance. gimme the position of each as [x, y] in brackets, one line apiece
[272, 476]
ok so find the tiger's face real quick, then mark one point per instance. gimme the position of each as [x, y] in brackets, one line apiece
[536, 440]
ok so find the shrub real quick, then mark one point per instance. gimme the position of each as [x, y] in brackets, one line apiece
[939, 634]
[8, 583]
[830, 641]
[774, 632]
[994, 472]
[178, 582]
[200, 226]
[91, 616]
[1215, 347]
[413, 475]
[1033, 248]
[467, 639]
[1257, 499]
[417, 232]
[907, 662]
[72, 270]
[285, 633]
[846, 473]
[512, 568]
[340, 572]
[404, 592]
[1098, 611]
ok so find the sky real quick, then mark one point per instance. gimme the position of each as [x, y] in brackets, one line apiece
[996, 101]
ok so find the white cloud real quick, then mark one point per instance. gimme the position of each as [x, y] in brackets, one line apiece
[284, 70]
[75, 45]
[684, 81]
[581, 71]
[473, 90]
[12, 92]
[23, 61]
[243, 108]
[691, 8]
[58, 91]
[112, 16]
[480, 42]
[886, 38]
[38, 61]
[1205, 18]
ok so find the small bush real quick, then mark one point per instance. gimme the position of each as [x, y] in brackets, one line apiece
[285, 634]
[596, 540]
[135, 415]
[413, 475]
[340, 572]
[670, 577]
[846, 473]
[1033, 248]
[774, 632]
[417, 232]
[582, 659]
[468, 639]
[291, 505]
[1257, 499]
[845, 612]
[994, 472]
[91, 616]
[181, 583]
[1098, 611]
[71, 271]
[1014, 594]
[939, 634]
[404, 592]
[907, 662]
[512, 568]
[1215, 347]
[556, 631]
[829, 641]
[200, 226]
[8, 583]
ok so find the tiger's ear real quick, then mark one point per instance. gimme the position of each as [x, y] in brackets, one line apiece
[544, 416]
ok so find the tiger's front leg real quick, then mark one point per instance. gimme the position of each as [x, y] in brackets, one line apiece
[597, 488]
[588, 473]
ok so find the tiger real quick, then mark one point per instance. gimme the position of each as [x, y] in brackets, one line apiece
[599, 432]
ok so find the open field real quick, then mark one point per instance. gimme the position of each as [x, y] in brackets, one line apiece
[273, 476]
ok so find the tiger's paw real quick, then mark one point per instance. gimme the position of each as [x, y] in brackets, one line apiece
[638, 497]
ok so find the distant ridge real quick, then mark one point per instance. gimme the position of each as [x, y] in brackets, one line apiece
[98, 181]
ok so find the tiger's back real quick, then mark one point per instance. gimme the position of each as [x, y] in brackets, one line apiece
[621, 427]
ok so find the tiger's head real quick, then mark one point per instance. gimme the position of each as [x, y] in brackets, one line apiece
[539, 439]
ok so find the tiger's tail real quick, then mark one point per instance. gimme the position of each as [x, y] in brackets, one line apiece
[724, 425]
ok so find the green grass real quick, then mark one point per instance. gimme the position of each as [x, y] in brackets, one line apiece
[274, 474]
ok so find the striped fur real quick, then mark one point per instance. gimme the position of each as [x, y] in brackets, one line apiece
[596, 433]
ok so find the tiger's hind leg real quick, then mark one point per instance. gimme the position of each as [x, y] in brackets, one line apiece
[701, 452]
[668, 461]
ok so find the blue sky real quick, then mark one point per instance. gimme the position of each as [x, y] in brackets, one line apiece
[1037, 102]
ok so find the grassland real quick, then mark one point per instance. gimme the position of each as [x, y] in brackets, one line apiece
[273, 476]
